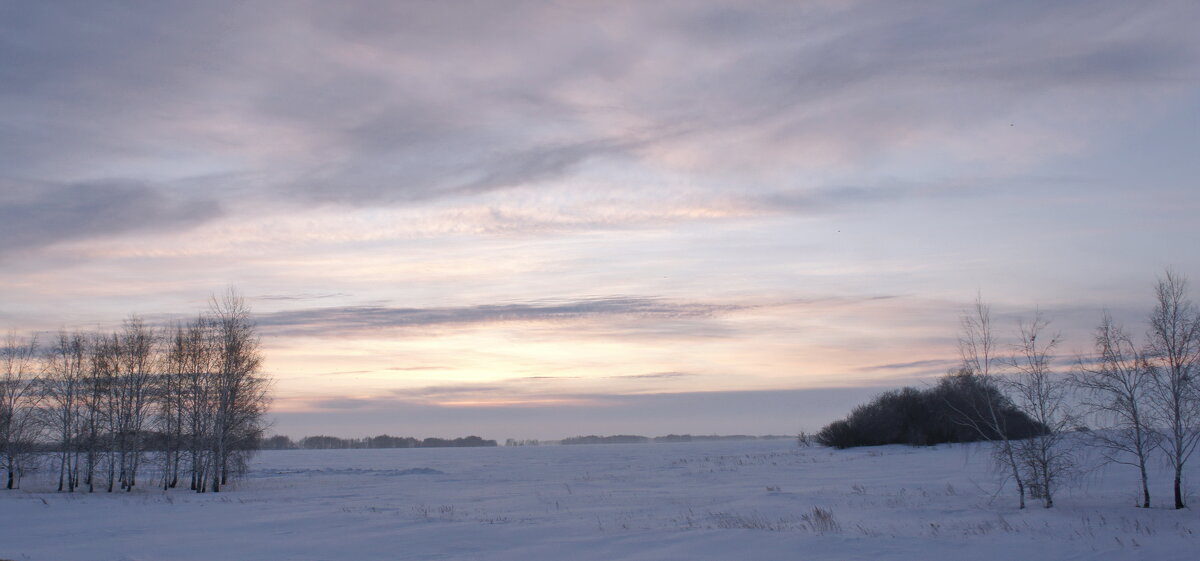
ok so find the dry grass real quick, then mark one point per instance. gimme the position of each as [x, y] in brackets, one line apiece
[821, 521]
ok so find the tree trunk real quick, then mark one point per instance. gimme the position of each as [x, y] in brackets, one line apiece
[1016, 472]
[1145, 485]
[1179, 487]
[91, 471]
[62, 468]
[1049, 502]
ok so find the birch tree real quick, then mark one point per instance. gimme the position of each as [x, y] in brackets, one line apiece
[112, 439]
[172, 403]
[1174, 353]
[133, 390]
[198, 364]
[1040, 393]
[19, 397]
[94, 438]
[64, 391]
[1116, 387]
[241, 391]
[984, 413]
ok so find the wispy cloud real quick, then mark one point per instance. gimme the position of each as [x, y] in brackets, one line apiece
[343, 403]
[656, 375]
[923, 365]
[345, 372]
[332, 321]
[301, 296]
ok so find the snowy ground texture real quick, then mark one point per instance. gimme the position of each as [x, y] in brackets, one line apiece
[746, 500]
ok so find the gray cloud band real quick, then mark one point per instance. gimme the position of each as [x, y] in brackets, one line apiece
[335, 320]
[398, 103]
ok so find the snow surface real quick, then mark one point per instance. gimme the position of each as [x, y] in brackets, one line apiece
[744, 500]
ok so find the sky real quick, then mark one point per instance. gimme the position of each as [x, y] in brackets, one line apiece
[542, 219]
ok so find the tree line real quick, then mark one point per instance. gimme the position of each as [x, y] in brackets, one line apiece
[322, 442]
[638, 439]
[1143, 394]
[186, 401]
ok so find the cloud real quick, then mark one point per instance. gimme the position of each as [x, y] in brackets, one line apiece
[440, 392]
[927, 365]
[355, 105]
[826, 199]
[541, 163]
[301, 296]
[656, 375]
[526, 391]
[338, 320]
[33, 216]
[343, 404]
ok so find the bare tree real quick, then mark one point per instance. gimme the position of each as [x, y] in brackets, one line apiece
[198, 366]
[134, 384]
[19, 399]
[94, 436]
[241, 391]
[984, 413]
[171, 402]
[106, 357]
[64, 388]
[1174, 352]
[1116, 387]
[1042, 394]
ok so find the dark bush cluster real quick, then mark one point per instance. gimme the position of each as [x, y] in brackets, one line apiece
[957, 409]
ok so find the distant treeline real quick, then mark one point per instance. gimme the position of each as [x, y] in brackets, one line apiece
[638, 439]
[321, 442]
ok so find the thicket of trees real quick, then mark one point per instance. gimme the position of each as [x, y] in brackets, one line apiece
[947, 412]
[1144, 397]
[187, 400]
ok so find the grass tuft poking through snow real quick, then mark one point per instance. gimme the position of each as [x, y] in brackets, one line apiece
[821, 521]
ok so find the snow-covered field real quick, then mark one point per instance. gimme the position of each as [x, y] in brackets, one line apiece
[745, 500]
